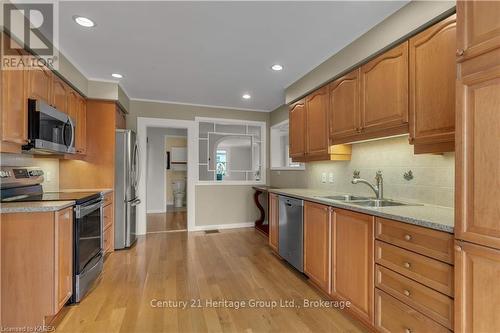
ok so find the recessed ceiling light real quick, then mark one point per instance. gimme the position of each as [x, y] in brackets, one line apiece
[277, 67]
[246, 96]
[116, 75]
[84, 21]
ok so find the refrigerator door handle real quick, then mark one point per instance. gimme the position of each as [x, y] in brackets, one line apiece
[135, 202]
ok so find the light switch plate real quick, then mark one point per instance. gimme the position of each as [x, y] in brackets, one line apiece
[323, 177]
[330, 177]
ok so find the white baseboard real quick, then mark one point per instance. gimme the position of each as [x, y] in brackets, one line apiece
[223, 226]
[156, 211]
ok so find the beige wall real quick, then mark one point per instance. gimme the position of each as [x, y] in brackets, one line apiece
[215, 204]
[397, 26]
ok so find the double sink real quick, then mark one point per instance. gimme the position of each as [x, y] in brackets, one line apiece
[364, 201]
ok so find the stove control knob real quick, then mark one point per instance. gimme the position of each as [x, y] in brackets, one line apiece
[4, 174]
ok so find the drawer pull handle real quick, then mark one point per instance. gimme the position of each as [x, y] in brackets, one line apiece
[406, 292]
[407, 330]
[407, 265]
[408, 237]
[460, 52]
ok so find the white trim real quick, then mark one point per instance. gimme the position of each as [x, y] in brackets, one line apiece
[223, 121]
[229, 182]
[156, 211]
[281, 123]
[192, 172]
[223, 226]
[198, 105]
[301, 168]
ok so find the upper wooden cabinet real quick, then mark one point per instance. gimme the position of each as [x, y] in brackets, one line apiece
[477, 291]
[78, 112]
[39, 85]
[317, 244]
[344, 113]
[317, 123]
[14, 112]
[477, 160]
[432, 88]
[478, 28]
[60, 94]
[353, 261]
[297, 131]
[273, 221]
[384, 93]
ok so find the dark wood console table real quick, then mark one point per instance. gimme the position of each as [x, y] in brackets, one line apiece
[259, 223]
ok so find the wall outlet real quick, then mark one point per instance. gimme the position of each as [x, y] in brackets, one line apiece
[330, 177]
[323, 177]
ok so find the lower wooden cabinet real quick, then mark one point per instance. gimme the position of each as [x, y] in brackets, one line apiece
[394, 316]
[317, 244]
[352, 261]
[273, 221]
[108, 223]
[37, 266]
[477, 288]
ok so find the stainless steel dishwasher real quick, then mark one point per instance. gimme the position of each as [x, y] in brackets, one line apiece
[291, 231]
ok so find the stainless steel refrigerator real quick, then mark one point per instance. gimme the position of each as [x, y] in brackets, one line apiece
[126, 181]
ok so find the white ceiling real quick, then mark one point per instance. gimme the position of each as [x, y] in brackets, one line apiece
[210, 53]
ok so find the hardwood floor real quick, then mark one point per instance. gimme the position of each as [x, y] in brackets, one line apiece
[231, 265]
[174, 219]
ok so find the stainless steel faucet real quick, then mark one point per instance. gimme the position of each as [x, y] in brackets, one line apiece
[378, 188]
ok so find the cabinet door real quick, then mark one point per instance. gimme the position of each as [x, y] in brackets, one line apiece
[64, 258]
[477, 212]
[384, 93]
[317, 123]
[477, 288]
[344, 107]
[273, 221]
[352, 261]
[60, 94]
[297, 131]
[432, 88]
[478, 27]
[81, 117]
[40, 84]
[14, 112]
[317, 244]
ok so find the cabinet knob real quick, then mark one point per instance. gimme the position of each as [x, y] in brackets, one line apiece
[460, 52]
[407, 265]
[408, 237]
[407, 330]
[406, 292]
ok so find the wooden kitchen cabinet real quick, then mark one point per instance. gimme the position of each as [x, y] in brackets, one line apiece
[477, 159]
[384, 93]
[297, 130]
[80, 108]
[478, 27]
[317, 244]
[14, 108]
[40, 84]
[39, 278]
[432, 88]
[344, 112]
[109, 222]
[64, 255]
[60, 94]
[477, 288]
[273, 221]
[353, 261]
[317, 133]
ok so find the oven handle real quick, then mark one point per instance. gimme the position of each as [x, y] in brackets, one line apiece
[85, 210]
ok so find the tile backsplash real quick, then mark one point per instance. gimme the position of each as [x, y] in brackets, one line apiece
[433, 175]
[50, 166]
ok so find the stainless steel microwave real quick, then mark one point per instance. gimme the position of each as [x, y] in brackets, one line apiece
[49, 130]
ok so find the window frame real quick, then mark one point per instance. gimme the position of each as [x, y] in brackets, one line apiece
[225, 121]
[276, 126]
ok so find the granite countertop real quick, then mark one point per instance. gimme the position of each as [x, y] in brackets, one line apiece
[34, 206]
[429, 216]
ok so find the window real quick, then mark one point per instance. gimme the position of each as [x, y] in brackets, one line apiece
[231, 151]
[280, 149]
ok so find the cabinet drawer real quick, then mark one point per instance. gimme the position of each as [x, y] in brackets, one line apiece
[392, 315]
[108, 215]
[430, 272]
[432, 243]
[108, 239]
[426, 300]
[108, 198]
